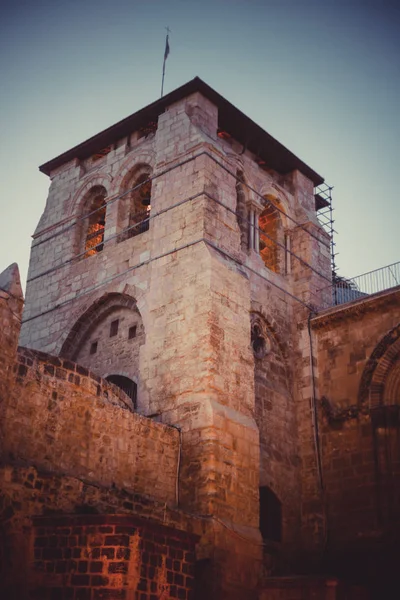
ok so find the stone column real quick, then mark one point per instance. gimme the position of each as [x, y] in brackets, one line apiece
[254, 210]
[251, 226]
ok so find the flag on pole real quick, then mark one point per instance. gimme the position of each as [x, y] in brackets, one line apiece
[166, 53]
[166, 48]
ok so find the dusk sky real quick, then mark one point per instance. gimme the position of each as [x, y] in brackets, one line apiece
[323, 77]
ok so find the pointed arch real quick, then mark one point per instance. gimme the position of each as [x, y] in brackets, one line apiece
[81, 329]
[380, 381]
[268, 349]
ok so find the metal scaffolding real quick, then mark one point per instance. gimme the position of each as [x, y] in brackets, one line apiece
[324, 209]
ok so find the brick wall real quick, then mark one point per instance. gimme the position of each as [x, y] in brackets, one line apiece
[110, 557]
[30, 498]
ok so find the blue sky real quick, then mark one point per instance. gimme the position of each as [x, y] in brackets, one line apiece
[323, 77]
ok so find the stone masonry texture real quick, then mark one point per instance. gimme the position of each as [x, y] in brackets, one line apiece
[238, 384]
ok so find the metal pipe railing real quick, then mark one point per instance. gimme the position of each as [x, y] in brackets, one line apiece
[345, 290]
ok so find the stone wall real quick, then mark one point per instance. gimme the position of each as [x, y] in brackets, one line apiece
[108, 338]
[359, 434]
[75, 422]
[71, 445]
[11, 305]
[37, 558]
[195, 286]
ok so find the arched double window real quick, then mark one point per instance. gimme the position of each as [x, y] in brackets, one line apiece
[95, 220]
[135, 204]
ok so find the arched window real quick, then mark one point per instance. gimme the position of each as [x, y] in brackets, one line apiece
[271, 237]
[126, 385]
[95, 208]
[270, 516]
[135, 206]
[140, 206]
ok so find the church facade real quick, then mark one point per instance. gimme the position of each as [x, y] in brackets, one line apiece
[187, 413]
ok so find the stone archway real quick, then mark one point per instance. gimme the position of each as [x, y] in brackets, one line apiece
[380, 381]
[379, 393]
[107, 337]
[84, 324]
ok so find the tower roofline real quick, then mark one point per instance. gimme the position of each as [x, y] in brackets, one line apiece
[230, 118]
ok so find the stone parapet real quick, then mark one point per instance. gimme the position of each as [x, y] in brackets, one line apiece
[65, 419]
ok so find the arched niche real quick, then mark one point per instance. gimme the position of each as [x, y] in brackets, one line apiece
[107, 337]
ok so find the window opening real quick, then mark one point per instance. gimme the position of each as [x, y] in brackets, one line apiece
[126, 385]
[132, 332]
[140, 207]
[95, 231]
[270, 515]
[93, 348]
[114, 328]
[270, 227]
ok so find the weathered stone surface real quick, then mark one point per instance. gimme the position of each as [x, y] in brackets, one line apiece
[10, 281]
[215, 330]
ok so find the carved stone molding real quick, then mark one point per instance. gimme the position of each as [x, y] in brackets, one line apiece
[381, 362]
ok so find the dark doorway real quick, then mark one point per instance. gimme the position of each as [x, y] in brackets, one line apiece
[126, 385]
[270, 516]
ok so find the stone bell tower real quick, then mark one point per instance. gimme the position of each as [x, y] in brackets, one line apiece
[165, 262]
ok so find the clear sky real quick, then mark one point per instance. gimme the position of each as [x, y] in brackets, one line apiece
[322, 76]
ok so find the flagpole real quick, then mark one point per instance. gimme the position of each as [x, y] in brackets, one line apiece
[163, 75]
[166, 52]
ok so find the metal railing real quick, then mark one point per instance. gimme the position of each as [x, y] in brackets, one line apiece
[346, 290]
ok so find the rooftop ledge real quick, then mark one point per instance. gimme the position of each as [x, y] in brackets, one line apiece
[230, 119]
[366, 303]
